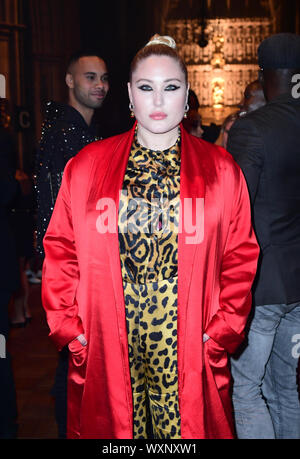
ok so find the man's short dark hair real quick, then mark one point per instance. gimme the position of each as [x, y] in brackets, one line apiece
[79, 54]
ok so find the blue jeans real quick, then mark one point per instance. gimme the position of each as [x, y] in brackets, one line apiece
[265, 393]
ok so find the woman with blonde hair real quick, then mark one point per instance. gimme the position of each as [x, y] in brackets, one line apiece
[150, 257]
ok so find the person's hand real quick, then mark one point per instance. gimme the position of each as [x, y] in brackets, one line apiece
[205, 337]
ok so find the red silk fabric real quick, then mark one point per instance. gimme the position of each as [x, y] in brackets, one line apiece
[82, 289]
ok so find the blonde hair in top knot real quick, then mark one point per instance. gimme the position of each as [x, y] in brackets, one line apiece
[162, 40]
[159, 45]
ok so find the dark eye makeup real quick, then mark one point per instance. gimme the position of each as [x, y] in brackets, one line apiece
[170, 87]
[145, 87]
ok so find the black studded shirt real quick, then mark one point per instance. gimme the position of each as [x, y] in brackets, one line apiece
[64, 134]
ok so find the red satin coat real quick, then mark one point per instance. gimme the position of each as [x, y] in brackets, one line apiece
[82, 290]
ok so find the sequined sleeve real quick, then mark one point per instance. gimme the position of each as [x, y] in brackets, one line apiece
[48, 182]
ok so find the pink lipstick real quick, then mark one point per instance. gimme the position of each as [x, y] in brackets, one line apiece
[158, 116]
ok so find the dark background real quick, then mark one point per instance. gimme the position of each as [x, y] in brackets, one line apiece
[118, 28]
[37, 38]
[121, 27]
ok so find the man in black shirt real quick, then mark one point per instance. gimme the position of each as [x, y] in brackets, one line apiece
[66, 130]
[266, 145]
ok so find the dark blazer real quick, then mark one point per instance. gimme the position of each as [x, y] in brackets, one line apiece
[266, 145]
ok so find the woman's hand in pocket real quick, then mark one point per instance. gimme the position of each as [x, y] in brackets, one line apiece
[78, 348]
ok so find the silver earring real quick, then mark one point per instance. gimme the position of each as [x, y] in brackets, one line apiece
[186, 110]
[131, 108]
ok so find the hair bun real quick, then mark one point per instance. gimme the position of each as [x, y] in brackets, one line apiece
[162, 40]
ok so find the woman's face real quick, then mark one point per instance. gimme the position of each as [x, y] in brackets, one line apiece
[158, 92]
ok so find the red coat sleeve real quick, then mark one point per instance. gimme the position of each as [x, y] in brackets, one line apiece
[238, 269]
[60, 270]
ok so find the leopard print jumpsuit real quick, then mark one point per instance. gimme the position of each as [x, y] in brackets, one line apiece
[148, 241]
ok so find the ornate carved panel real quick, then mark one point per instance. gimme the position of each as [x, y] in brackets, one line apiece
[219, 72]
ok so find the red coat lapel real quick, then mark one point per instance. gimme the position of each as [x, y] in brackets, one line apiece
[111, 187]
[192, 191]
[192, 187]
